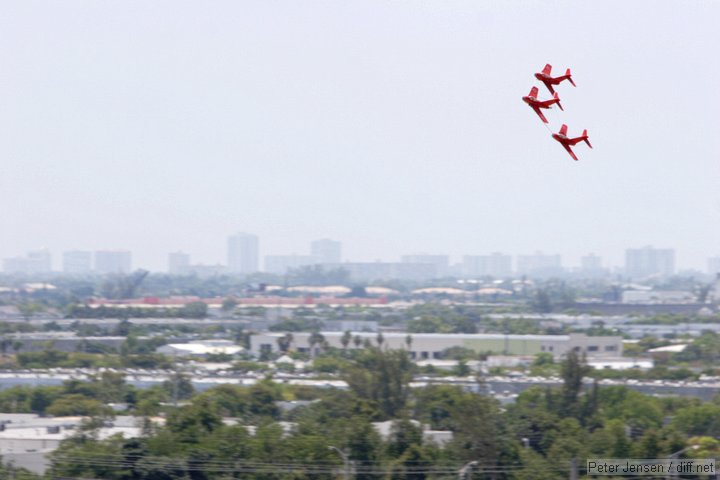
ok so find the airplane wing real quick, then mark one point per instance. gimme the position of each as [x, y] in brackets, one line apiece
[540, 114]
[547, 69]
[567, 147]
[549, 87]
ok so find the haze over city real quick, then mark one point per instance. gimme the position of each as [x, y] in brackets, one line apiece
[321, 240]
[396, 128]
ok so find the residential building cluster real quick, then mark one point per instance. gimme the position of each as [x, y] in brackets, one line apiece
[75, 262]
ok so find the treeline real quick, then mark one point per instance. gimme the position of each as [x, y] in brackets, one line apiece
[190, 310]
[134, 352]
[535, 438]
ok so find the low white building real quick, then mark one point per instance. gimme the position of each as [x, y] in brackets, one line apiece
[621, 364]
[447, 365]
[644, 297]
[439, 437]
[508, 361]
[27, 439]
[200, 348]
[425, 346]
[676, 348]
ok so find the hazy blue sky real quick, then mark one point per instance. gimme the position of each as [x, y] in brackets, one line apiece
[393, 126]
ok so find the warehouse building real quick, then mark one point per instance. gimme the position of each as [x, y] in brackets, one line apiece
[422, 346]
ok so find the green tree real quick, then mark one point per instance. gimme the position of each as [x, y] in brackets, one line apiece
[228, 304]
[382, 378]
[637, 411]
[573, 370]
[408, 341]
[542, 303]
[364, 446]
[29, 309]
[76, 404]
[700, 420]
[345, 339]
[649, 445]
[194, 310]
[179, 386]
[83, 457]
[315, 338]
[285, 342]
[412, 464]
[478, 433]
[190, 424]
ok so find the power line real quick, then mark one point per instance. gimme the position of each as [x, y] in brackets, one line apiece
[168, 464]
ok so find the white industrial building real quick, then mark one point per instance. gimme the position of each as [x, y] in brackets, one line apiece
[422, 346]
[26, 439]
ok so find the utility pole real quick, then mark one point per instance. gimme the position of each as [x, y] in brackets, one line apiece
[466, 471]
[507, 342]
[574, 469]
[346, 461]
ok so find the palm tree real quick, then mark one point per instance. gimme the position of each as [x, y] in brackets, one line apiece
[4, 344]
[284, 342]
[315, 338]
[290, 339]
[345, 339]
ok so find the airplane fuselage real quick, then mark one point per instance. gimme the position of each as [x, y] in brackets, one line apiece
[547, 78]
[534, 102]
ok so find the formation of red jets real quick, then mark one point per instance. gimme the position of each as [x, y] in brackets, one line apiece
[537, 104]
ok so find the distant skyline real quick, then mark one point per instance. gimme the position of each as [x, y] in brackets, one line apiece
[638, 259]
[395, 127]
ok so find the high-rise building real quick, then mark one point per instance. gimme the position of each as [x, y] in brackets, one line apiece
[713, 265]
[649, 261]
[441, 263]
[326, 251]
[36, 261]
[243, 253]
[178, 263]
[494, 265]
[16, 265]
[591, 262]
[40, 261]
[591, 266]
[539, 264]
[113, 261]
[77, 262]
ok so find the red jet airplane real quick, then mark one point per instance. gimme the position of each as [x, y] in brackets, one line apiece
[532, 100]
[549, 81]
[566, 142]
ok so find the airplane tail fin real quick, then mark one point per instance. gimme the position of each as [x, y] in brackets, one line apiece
[585, 138]
[569, 77]
[558, 101]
